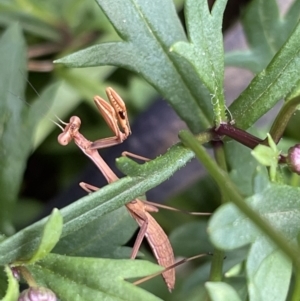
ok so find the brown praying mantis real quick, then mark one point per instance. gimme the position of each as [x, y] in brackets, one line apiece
[115, 115]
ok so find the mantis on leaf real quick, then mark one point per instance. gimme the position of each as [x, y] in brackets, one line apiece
[115, 115]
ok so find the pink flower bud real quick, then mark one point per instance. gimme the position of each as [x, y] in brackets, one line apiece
[293, 159]
[37, 294]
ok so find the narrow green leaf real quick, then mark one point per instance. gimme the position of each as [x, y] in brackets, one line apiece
[148, 30]
[268, 156]
[264, 155]
[38, 24]
[220, 291]
[104, 237]
[12, 146]
[50, 236]
[17, 121]
[295, 93]
[107, 199]
[270, 85]
[82, 279]
[180, 156]
[12, 292]
[266, 35]
[272, 144]
[205, 50]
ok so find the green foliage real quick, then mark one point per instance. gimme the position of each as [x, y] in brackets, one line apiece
[205, 50]
[79, 251]
[50, 236]
[268, 269]
[219, 291]
[17, 120]
[100, 238]
[268, 156]
[91, 207]
[265, 36]
[242, 166]
[12, 291]
[150, 29]
[270, 85]
[82, 278]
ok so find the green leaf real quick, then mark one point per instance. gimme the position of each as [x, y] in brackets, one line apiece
[12, 64]
[201, 274]
[235, 197]
[81, 279]
[185, 239]
[12, 292]
[267, 156]
[50, 236]
[91, 207]
[148, 30]
[242, 166]
[264, 155]
[101, 238]
[37, 22]
[229, 229]
[205, 50]
[266, 35]
[270, 85]
[220, 291]
[268, 271]
[17, 122]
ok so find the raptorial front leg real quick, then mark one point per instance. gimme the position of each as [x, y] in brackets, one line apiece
[120, 109]
[115, 115]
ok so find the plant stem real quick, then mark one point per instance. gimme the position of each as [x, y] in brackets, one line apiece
[232, 193]
[220, 155]
[238, 134]
[216, 270]
[296, 291]
[283, 118]
[244, 137]
[27, 276]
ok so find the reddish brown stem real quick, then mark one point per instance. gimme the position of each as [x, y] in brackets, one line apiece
[238, 134]
[242, 137]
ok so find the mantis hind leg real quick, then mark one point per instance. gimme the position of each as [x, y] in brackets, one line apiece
[88, 187]
[139, 238]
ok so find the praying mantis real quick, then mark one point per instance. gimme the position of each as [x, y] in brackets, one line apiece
[115, 115]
